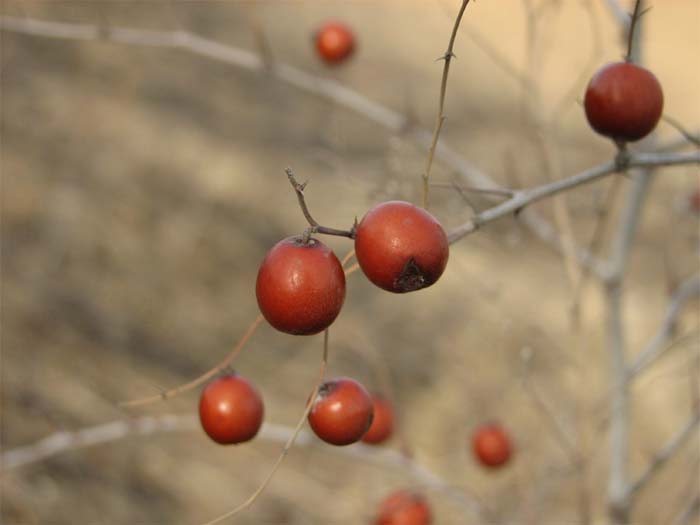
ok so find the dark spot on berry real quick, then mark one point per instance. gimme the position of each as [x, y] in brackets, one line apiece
[412, 278]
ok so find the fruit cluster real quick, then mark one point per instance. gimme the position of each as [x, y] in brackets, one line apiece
[400, 248]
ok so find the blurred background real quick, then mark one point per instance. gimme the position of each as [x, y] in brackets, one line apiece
[142, 186]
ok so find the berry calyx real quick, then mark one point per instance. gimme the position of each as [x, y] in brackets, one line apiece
[401, 247]
[300, 286]
[341, 412]
[231, 410]
[623, 101]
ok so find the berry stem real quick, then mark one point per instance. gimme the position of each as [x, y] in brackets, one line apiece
[633, 23]
[315, 226]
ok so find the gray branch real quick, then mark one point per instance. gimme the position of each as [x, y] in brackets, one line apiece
[523, 198]
[665, 454]
[686, 292]
[64, 441]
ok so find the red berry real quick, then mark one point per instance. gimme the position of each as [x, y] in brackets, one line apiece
[230, 410]
[401, 247]
[382, 423]
[623, 101]
[404, 508]
[335, 42]
[491, 445]
[695, 201]
[342, 412]
[300, 287]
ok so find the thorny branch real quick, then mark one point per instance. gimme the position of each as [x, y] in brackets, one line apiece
[440, 119]
[322, 87]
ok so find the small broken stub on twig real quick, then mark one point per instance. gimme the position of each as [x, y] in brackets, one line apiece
[412, 278]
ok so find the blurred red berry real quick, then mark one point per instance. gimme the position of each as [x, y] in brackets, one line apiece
[335, 42]
[491, 445]
[404, 507]
[382, 423]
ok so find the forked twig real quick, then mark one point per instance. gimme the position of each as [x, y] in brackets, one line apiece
[315, 226]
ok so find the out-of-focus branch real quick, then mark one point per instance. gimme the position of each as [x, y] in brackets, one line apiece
[619, 502]
[686, 513]
[665, 454]
[621, 16]
[323, 87]
[64, 441]
[61, 442]
[686, 292]
[522, 198]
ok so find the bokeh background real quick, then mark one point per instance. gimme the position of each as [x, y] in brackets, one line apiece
[142, 186]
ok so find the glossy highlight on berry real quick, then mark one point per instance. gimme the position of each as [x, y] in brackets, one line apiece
[231, 410]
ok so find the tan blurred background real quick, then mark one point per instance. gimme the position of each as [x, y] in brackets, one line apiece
[142, 186]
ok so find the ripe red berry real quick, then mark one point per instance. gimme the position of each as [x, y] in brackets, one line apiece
[382, 423]
[300, 287]
[491, 445]
[341, 412]
[623, 101]
[404, 508]
[230, 410]
[401, 247]
[335, 42]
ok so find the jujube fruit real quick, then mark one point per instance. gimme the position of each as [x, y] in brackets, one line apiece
[404, 507]
[401, 247]
[300, 286]
[491, 445]
[382, 423]
[623, 101]
[230, 410]
[341, 412]
[335, 42]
